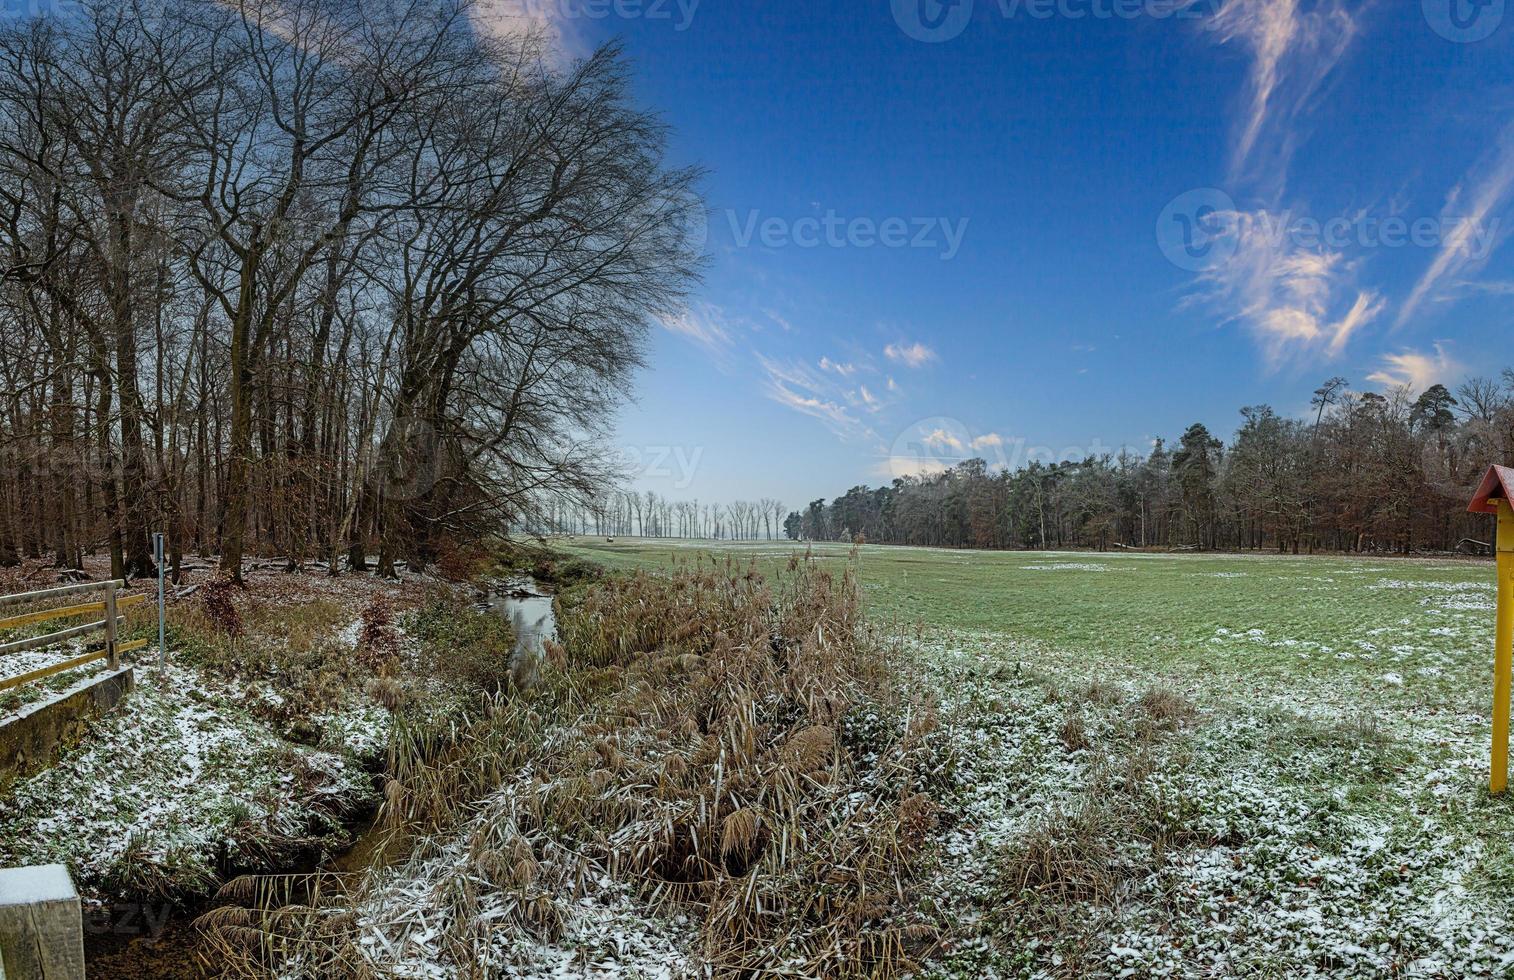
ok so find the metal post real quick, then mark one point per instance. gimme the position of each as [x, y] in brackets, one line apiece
[110, 626]
[1503, 660]
[157, 545]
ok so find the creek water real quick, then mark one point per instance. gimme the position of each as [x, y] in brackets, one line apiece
[531, 616]
[528, 609]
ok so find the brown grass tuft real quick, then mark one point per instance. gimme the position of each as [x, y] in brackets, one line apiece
[1167, 709]
[1074, 732]
[810, 748]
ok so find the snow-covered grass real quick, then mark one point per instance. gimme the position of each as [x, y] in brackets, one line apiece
[714, 775]
[1323, 812]
[179, 784]
[251, 752]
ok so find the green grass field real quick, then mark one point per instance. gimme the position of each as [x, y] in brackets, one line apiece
[1323, 812]
[1336, 628]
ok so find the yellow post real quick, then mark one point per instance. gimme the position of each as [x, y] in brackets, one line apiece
[1503, 651]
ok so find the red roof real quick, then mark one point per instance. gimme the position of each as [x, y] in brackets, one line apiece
[1498, 483]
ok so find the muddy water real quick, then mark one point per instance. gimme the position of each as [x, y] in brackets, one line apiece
[530, 614]
[528, 609]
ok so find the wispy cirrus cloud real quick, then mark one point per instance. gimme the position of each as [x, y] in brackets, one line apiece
[1294, 46]
[1493, 287]
[1416, 369]
[1472, 212]
[702, 324]
[798, 387]
[1296, 300]
[911, 355]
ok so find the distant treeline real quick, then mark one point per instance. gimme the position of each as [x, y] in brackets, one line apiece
[1365, 472]
[651, 515]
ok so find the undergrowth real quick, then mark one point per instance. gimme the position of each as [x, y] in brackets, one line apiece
[736, 749]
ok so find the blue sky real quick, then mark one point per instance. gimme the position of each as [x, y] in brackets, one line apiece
[1017, 228]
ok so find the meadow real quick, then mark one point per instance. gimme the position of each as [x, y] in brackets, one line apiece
[1178, 765]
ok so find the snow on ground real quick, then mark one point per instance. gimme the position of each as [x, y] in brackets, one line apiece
[1067, 566]
[171, 780]
[16, 664]
[1325, 843]
[605, 932]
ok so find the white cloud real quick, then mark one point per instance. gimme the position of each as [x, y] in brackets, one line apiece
[1416, 369]
[868, 398]
[915, 355]
[846, 370]
[1472, 225]
[939, 439]
[705, 325]
[542, 21]
[1366, 309]
[1293, 50]
[1294, 299]
[990, 440]
[797, 387]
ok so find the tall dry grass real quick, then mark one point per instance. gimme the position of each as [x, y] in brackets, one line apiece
[738, 749]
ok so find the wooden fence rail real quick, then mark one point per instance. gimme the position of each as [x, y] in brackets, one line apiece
[110, 607]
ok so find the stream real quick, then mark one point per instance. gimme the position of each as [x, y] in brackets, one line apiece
[528, 609]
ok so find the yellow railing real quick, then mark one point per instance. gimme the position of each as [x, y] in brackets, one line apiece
[110, 608]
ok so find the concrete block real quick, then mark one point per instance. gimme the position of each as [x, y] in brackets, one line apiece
[31, 738]
[41, 925]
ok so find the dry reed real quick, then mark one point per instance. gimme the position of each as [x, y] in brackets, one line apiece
[733, 748]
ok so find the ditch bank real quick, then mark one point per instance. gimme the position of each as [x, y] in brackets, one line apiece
[460, 648]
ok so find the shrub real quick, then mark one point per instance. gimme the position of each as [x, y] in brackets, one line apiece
[461, 644]
[378, 644]
[216, 598]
